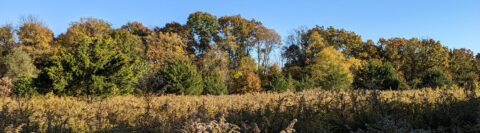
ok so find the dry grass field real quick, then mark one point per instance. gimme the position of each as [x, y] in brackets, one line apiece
[317, 110]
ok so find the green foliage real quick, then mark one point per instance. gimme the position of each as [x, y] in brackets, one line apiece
[181, 77]
[25, 86]
[19, 63]
[436, 78]
[375, 75]
[7, 36]
[214, 85]
[94, 68]
[413, 57]
[462, 68]
[276, 81]
[205, 26]
[303, 84]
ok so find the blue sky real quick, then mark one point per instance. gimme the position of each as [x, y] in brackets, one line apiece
[455, 23]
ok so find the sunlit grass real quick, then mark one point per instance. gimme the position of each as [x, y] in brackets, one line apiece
[316, 111]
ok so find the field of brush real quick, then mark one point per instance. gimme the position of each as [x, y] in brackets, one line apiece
[309, 111]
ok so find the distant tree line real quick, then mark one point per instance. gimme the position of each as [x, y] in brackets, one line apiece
[224, 55]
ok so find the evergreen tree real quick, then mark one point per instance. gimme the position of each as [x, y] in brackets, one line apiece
[181, 77]
[94, 68]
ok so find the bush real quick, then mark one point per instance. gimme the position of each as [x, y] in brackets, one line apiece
[375, 75]
[214, 85]
[181, 77]
[436, 78]
[6, 87]
[25, 86]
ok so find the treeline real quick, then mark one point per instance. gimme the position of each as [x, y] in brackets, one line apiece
[224, 55]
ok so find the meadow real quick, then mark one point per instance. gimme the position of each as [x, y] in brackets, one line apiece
[317, 110]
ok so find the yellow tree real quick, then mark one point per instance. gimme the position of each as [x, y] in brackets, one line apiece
[84, 29]
[163, 46]
[331, 70]
[35, 38]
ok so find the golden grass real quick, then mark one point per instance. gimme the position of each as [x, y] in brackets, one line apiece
[316, 111]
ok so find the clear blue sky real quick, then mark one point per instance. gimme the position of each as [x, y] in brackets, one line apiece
[455, 23]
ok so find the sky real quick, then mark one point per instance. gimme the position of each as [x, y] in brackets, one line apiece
[455, 23]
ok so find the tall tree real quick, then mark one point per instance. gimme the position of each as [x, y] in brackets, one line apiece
[128, 43]
[462, 68]
[341, 39]
[163, 46]
[413, 57]
[331, 70]
[35, 38]
[268, 40]
[7, 36]
[242, 31]
[83, 29]
[203, 26]
[181, 30]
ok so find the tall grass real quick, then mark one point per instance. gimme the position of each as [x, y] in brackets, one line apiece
[308, 111]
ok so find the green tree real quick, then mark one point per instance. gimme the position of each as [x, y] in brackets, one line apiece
[25, 86]
[331, 70]
[128, 43]
[435, 78]
[214, 84]
[462, 68]
[413, 57]
[204, 26]
[7, 36]
[94, 68]
[276, 80]
[375, 75]
[240, 34]
[181, 77]
[18, 64]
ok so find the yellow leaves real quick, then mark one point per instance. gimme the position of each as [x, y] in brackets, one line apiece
[163, 46]
[330, 69]
[316, 44]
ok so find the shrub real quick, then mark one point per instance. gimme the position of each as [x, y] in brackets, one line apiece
[181, 77]
[25, 86]
[435, 78]
[6, 87]
[214, 85]
[375, 75]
